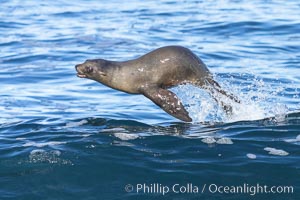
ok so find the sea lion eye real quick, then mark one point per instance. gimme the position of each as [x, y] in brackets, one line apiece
[89, 69]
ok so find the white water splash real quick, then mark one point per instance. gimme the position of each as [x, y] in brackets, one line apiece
[259, 100]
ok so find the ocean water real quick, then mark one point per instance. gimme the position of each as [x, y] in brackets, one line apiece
[62, 137]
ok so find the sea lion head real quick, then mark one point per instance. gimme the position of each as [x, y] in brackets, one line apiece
[93, 69]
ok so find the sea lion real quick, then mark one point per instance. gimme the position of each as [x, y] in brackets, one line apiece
[153, 73]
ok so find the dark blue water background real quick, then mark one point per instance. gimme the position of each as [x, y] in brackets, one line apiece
[62, 137]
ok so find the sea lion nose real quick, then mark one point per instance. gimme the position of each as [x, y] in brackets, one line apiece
[77, 67]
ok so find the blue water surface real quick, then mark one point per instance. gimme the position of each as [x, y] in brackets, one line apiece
[62, 137]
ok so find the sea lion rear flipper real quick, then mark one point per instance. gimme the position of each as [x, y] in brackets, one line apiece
[215, 85]
[168, 101]
[215, 89]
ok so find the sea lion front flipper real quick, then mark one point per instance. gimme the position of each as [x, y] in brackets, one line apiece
[168, 101]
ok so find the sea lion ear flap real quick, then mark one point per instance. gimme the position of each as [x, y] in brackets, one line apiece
[168, 101]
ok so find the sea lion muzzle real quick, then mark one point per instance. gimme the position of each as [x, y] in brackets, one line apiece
[80, 72]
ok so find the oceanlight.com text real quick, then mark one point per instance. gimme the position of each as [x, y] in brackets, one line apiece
[190, 188]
